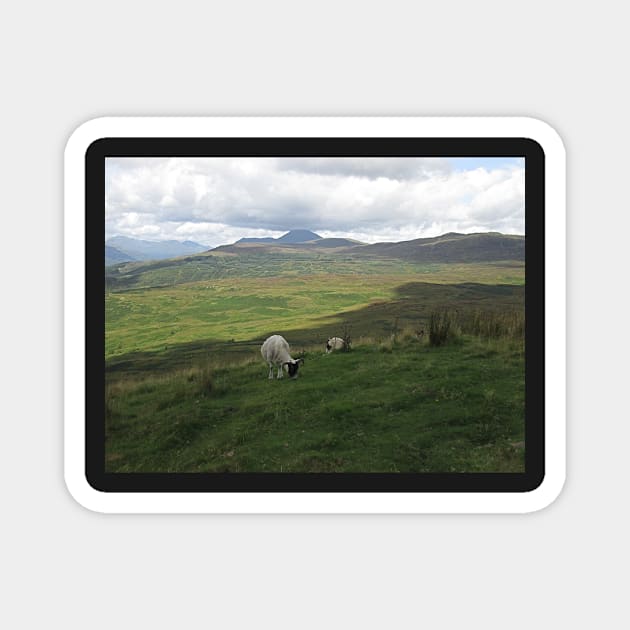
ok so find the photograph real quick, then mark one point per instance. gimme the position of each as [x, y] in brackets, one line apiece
[314, 314]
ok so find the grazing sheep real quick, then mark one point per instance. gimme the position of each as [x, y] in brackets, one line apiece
[275, 352]
[335, 343]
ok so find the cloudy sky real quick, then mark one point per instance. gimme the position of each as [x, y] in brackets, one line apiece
[215, 201]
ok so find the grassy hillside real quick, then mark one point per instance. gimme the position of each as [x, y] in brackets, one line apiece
[187, 389]
[391, 407]
[308, 308]
[420, 256]
[252, 261]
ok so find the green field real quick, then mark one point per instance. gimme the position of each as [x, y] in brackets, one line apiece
[187, 389]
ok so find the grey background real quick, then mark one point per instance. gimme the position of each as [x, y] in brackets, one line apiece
[66, 62]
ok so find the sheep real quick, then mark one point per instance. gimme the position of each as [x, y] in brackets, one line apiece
[275, 351]
[335, 343]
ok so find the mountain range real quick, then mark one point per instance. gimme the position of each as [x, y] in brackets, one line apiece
[447, 248]
[451, 247]
[114, 256]
[120, 249]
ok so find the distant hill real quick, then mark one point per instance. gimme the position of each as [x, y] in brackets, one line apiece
[114, 256]
[137, 249]
[452, 248]
[448, 248]
[266, 239]
[291, 237]
[335, 242]
[269, 245]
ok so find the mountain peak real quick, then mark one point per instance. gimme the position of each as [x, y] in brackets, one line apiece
[299, 236]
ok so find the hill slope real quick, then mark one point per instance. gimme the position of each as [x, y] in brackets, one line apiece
[452, 248]
[266, 239]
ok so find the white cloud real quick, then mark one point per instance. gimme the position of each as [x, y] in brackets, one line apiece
[218, 200]
[373, 168]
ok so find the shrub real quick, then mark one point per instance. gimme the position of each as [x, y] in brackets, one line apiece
[443, 327]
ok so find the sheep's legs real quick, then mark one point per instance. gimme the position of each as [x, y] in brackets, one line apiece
[271, 371]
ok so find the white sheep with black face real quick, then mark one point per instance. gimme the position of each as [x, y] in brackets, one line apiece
[335, 343]
[275, 351]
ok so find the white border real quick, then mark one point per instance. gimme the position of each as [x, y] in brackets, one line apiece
[74, 301]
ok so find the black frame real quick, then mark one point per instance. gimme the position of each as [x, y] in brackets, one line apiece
[534, 156]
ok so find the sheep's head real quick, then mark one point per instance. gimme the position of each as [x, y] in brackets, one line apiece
[293, 366]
